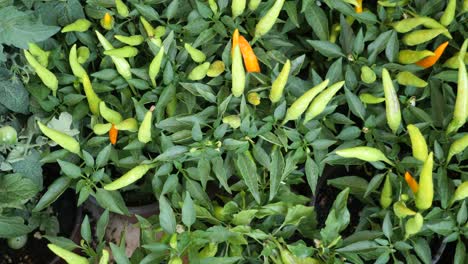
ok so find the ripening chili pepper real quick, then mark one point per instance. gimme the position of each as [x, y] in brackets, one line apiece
[41, 55]
[147, 26]
[155, 66]
[279, 83]
[235, 41]
[431, 60]
[299, 106]
[80, 25]
[425, 194]
[123, 52]
[358, 7]
[250, 59]
[412, 56]
[122, 66]
[401, 211]
[215, 69]
[105, 257]
[75, 66]
[196, 54]
[238, 7]
[144, 132]
[134, 40]
[460, 193]
[449, 13]
[409, 79]
[365, 153]
[253, 4]
[413, 225]
[209, 250]
[418, 143]
[107, 22]
[113, 134]
[368, 98]
[367, 75]
[420, 36]
[412, 183]
[122, 9]
[65, 141]
[253, 98]
[82, 54]
[91, 96]
[68, 256]
[199, 72]
[238, 73]
[232, 120]
[320, 102]
[457, 146]
[386, 193]
[129, 177]
[392, 104]
[269, 19]
[46, 76]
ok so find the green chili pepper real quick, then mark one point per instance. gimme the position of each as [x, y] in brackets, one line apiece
[279, 83]
[122, 9]
[457, 146]
[65, 141]
[68, 256]
[386, 194]
[391, 3]
[46, 76]
[171, 107]
[418, 143]
[129, 177]
[80, 25]
[420, 36]
[299, 106]
[41, 55]
[425, 194]
[175, 260]
[406, 25]
[209, 251]
[401, 211]
[413, 56]
[108, 114]
[232, 120]
[238, 7]
[147, 26]
[213, 6]
[238, 73]
[368, 98]
[368, 154]
[409, 79]
[465, 6]
[449, 13]
[123, 67]
[195, 54]
[91, 96]
[199, 72]
[76, 67]
[320, 102]
[123, 52]
[54, 191]
[269, 19]
[144, 132]
[253, 4]
[155, 66]
[413, 225]
[460, 193]
[105, 257]
[134, 40]
[101, 129]
[392, 104]
[452, 62]
[83, 54]
[367, 75]
[215, 69]
[159, 31]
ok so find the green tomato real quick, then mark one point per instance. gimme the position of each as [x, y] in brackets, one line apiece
[7, 135]
[17, 242]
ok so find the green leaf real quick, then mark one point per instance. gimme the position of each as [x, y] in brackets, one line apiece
[317, 19]
[15, 190]
[103, 156]
[296, 214]
[248, 170]
[276, 171]
[102, 225]
[422, 249]
[188, 211]
[338, 218]
[69, 169]
[326, 48]
[86, 229]
[13, 95]
[219, 170]
[244, 217]
[12, 227]
[312, 172]
[166, 216]
[355, 104]
[111, 200]
[30, 167]
[118, 253]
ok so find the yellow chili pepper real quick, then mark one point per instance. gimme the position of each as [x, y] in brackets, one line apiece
[107, 22]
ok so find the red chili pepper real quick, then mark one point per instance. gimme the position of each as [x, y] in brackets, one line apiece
[113, 133]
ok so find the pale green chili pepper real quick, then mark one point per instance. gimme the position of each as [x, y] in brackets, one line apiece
[213, 6]
[144, 132]
[253, 4]
[452, 62]
[392, 104]
[401, 211]
[123, 67]
[418, 143]
[320, 102]
[108, 114]
[122, 9]
[155, 66]
[147, 26]
[41, 55]
[409, 79]
[134, 40]
[368, 154]
[80, 25]
[420, 36]
[449, 13]
[199, 72]
[46, 76]
[367, 75]
[386, 193]
[406, 25]
[75, 66]
[209, 250]
[65, 141]
[425, 194]
[232, 120]
[412, 56]
[129, 124]
[83, 54]
[269, 19]
[457, 146]
[413, 225]
[105, 257]
[68, 256]
[123, 52]
[238, 73]
[129, 177]
[215, 69]
[196, 54]
[368, 98]
[279, 83]
[460, 193]
[159, 31]
[91, 96]
[238, 7]
[299, 106]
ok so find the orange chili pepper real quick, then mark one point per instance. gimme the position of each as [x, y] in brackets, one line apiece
[412, 183]
[113, 133]
[358, 8]
[250, 60]
[431, 60]
[235, 41]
